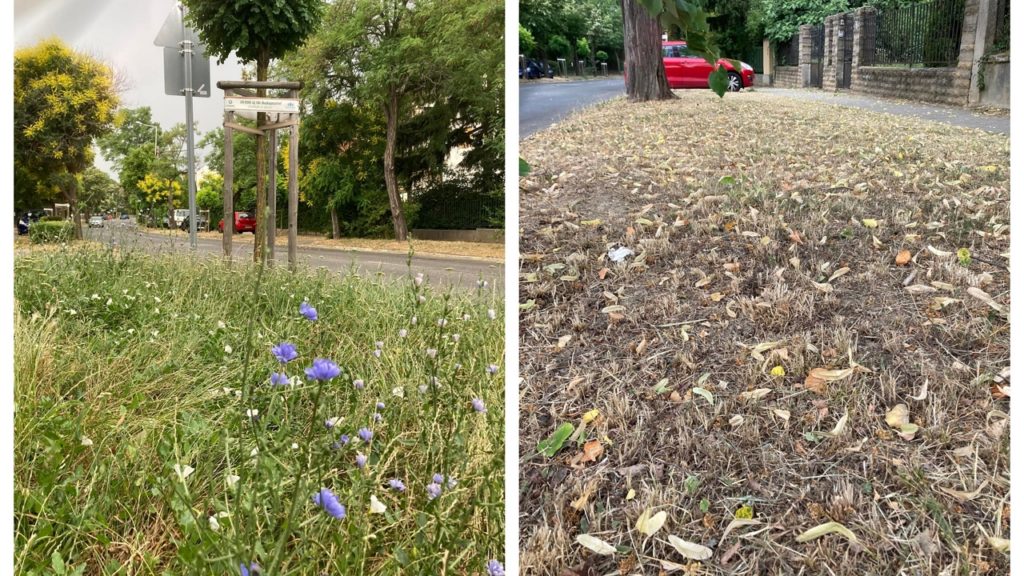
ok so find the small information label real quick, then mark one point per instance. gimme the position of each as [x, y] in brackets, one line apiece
[283, 105]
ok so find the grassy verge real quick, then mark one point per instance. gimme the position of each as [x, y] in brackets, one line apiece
[798, 272]
[149, 439]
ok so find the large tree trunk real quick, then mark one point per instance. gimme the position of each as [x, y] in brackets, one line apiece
[262, 64]
[645, 72]
[391, 114]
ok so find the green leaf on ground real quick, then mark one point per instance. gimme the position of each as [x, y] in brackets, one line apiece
[552, 444]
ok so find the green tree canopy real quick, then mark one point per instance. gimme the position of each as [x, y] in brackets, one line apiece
[133, 128]
[98, 190]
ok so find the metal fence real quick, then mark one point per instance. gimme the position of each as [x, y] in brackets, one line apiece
[787, 53]
[1001, 41]
[925, 34]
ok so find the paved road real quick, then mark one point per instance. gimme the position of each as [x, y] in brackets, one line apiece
[440, 270]
[935, 112]
[544, 103]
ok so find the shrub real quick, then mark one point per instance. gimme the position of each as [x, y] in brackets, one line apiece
[602, 56]
[50, 232]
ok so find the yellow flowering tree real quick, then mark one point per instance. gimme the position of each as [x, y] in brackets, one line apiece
[158, 189]
[63, 101]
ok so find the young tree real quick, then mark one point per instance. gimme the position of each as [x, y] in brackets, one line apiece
[256, 31]
[63, 101]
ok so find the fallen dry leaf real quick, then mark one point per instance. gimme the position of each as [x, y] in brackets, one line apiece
[690, 550]
[595, 545]
[648, 524]
[827, 528]
[903, 258]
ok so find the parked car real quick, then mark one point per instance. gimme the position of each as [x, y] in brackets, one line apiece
[686, 69]
[201, 223]
[536, 69]
[244, 222]
[96, 221]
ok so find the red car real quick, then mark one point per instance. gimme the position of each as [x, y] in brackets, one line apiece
[244, 222]
[685, 69]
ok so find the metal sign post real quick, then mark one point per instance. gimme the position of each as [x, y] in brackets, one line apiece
[184, 60]
[186, 51]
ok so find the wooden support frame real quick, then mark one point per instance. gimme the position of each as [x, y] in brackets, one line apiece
[232, 88]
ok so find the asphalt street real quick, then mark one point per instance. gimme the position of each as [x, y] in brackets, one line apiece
[541, 104]
[439, 270]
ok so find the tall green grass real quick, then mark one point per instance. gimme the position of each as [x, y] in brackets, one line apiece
[130, 370]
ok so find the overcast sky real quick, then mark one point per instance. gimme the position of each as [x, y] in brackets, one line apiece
[121, 32]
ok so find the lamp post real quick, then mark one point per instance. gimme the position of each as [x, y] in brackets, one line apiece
[156, 135]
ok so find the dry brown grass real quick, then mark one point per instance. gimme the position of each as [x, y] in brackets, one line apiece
[649, 177]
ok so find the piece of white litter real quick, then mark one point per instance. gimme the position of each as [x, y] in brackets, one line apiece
[86, 441]
[376, 507]
[619, 254]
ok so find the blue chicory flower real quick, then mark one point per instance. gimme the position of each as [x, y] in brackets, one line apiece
[433, 490]
[478, 405]
[360, 459]
[452, 482]
[253, 569]
[323, 369]
[494, 568]
[329, 502]
[365, 434]
[308, 311]
[438, 478]
[492, 369]
[278, 379]
[358, 383]
[380, 405]
[284, 352]
[396, 484]
[340, 442]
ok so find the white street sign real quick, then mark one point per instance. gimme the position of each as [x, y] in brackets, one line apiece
[282, 105]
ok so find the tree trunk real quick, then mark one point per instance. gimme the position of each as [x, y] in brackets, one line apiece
[645, 72]
[170, 205]
[335, 225]
[391, 113]
[258, 252]
[70, 191]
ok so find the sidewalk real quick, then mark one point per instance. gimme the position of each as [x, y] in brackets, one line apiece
[474, 250]
[993, 122]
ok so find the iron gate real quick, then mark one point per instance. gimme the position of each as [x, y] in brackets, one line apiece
[817, 54]
[846, 45]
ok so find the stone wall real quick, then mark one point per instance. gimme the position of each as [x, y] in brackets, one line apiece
[786, 77]
[484, 235]
[955, 85]
[997, 83]
[934, 85]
